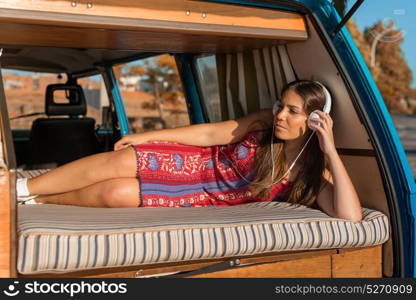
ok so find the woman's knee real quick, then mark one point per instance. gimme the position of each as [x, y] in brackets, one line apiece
[123, 162]
[121, 193]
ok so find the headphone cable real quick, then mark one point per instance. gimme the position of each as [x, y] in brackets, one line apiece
[273, 163]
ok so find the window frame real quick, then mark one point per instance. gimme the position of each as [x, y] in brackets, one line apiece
[199, 85]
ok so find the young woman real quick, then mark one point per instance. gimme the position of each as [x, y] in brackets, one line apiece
[215, 164]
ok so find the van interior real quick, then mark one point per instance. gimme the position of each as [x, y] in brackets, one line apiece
[253, 52]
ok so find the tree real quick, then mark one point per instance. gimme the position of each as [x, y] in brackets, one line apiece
[160, 76]
[395, 76]
[391, 71]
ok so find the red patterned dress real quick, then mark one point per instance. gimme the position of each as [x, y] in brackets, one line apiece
[177, 175]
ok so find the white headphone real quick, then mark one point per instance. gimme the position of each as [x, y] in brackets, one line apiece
[313, 115]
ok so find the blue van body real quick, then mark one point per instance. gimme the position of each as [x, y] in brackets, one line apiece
[398, 179]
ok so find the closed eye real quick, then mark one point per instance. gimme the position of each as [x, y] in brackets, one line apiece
[292, 109]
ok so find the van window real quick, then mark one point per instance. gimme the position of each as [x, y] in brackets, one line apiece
[152, 93]
[25, 94]
[208, 83]
[95, 96]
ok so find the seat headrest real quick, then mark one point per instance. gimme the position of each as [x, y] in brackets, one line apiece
[73, 92]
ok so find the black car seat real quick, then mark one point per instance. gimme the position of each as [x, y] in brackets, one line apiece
[55, 141]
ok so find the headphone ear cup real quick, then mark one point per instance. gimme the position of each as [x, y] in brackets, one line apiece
[313, 116]
[276, 107]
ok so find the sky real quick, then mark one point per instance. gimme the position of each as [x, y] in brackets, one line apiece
[403, 12]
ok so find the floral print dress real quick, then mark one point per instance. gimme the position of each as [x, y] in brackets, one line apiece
[177, 175]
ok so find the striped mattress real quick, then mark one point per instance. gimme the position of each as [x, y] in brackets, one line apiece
[57, 238]
[30, 173]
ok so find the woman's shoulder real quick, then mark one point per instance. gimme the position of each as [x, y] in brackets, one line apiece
[258, 135]
[253, 138]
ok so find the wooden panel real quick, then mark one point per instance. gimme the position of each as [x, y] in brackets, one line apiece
[319, 266]
[161, 268]
[153, 269]
[222, 15]
[5, 227]
[364, 262]
[149, 26]
[360, 262]
[72, 37]
[8, 236]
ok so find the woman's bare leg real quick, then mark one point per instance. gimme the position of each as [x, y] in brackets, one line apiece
[121, 192]
[85, 171]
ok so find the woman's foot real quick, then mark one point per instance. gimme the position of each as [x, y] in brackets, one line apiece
[28, 200]
[23, 194]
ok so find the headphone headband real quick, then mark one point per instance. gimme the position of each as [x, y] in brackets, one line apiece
[328, 100]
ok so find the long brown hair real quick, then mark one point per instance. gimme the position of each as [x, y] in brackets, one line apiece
[307, 183]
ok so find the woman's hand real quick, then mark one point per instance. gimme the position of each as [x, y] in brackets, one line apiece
[324, 132]
[129, 139]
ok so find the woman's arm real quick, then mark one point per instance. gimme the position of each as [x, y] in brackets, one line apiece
[195, 135]
[208, 134]
[233, 131]
[338, 197]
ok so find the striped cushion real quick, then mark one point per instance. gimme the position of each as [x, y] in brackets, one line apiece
[30, 173]
[54, 238]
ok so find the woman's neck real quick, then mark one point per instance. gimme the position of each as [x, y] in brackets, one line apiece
[292, 148]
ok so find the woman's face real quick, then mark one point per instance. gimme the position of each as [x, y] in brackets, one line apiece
[291, 119]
